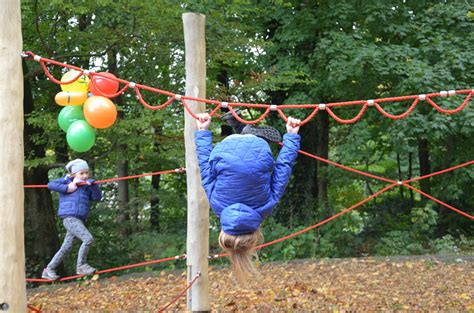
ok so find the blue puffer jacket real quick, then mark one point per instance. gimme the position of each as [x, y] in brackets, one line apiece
[238, 179]
[76, 203]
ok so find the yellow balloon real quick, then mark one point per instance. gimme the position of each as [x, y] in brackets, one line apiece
[81, 84]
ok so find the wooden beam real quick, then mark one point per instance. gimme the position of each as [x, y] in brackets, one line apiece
[12, 250]
[198, 207]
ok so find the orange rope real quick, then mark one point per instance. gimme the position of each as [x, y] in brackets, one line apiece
[178, 170]
[121, 268]
[315, 107]
[191, 283]
[32, 308]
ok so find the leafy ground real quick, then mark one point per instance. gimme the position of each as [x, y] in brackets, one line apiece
[369, 284]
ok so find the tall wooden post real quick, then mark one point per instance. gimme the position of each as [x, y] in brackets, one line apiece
[198, 207]
[12, 251]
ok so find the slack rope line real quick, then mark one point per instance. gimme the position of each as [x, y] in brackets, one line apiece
[180, 170]
[137, 88]
[191, 283]
[121, 268]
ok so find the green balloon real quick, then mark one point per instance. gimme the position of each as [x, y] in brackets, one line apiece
[68, 115]
[80, 136]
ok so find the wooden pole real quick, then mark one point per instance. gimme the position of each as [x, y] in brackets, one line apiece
[12, 251]
[198, 207]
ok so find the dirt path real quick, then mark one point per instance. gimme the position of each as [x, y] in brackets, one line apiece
[370, 284]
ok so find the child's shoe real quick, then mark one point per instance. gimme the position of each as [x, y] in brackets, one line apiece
[268, 133]
[230, 120]
[49, 274]
[85, 269]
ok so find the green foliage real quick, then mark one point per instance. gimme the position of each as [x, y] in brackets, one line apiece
[302, 246]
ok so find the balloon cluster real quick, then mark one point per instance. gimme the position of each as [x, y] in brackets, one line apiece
[83, 112]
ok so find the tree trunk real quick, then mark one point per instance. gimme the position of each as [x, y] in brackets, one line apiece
[12, 249]
[155, 184]
[223, 79]
[123, 192]
[425, 167]
[400, 178]
[410, 175]
[323, 151]
[123, 217]
[39, 209]
[298, 204]
[155, 204]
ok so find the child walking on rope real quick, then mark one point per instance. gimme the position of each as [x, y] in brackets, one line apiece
[76, 191]
[244, 183]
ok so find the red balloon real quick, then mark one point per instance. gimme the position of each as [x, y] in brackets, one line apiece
[101, 86]
[100, 112]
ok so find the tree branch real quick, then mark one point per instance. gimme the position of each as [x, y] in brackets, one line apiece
[43, 43]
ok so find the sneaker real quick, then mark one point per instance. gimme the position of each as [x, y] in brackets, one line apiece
[49, 274]
[230, 120]
[85, 269]
[268, 133]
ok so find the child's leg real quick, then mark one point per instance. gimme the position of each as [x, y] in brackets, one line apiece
[268, 133]
[233, 122]
[77, 228]
[63, 251]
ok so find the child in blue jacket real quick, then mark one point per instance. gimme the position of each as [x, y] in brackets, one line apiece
[244, 183]
[75, 190]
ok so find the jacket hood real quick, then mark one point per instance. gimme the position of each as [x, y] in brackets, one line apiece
[239, 219]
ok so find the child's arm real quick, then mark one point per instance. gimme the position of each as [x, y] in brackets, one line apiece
[203, 141]
[58, 185]
[95, 194]
[284, 163]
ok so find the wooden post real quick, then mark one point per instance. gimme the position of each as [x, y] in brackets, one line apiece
[12, 251]
[197, 244]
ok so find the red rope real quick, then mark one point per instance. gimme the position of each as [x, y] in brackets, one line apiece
[32, 308]
[198, 274]
[450, 111]
[396, 117]
[439, 172]
[150, 107]
[345, 167]
[115, 269]
[439, 201]
[267, 107]
[404, 183]
[326, 220]
[393, 184]
[349, 121]
[100, 91]
[178, 170]
[315, 225]
[237, 117]
[54, 80]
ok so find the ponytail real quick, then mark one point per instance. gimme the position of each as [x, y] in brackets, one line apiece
[241, 249]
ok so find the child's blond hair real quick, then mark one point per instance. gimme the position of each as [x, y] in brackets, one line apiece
[242, 253]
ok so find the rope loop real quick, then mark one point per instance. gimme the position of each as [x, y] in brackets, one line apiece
[150, 107]
[400, 116]
[99, 91]
[456, 110]
[347, 121]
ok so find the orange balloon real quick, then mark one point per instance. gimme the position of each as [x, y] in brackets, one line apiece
[100, 112]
